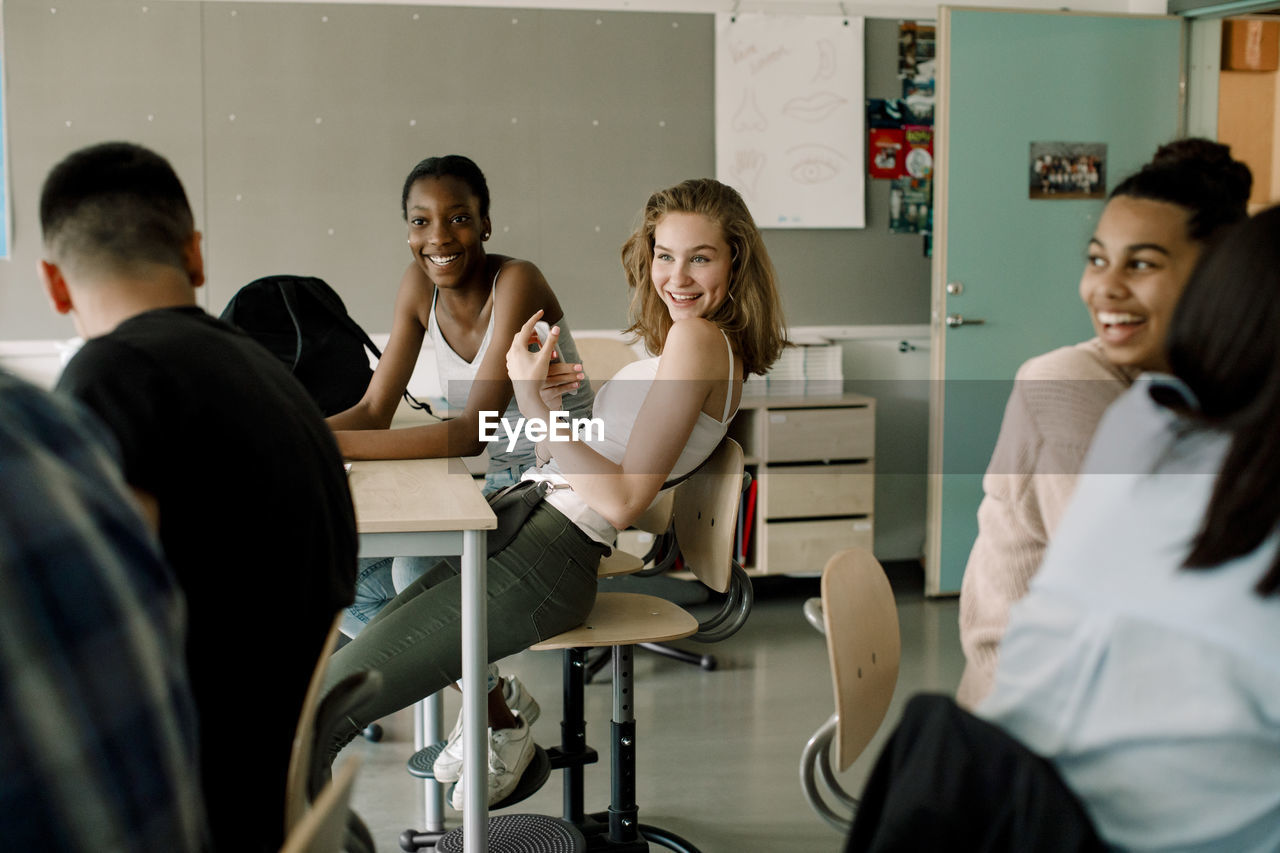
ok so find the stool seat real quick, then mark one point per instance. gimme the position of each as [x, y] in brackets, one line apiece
[422, 762]
[522, 833]
[618, 562]
[623, 619]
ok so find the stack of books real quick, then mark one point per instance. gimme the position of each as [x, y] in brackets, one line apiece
[823, 372]
[786, 376]
[812, 366]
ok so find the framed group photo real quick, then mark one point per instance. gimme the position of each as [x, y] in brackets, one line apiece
[1067, 170]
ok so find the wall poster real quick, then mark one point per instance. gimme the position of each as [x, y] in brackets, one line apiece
[789, 118]
[900, 139]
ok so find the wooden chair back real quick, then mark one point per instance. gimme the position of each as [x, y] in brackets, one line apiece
[654, 520]
[323, 828]
[863, 644]
[706, 515]
[603, 357]
[657, 518]
[296, 802]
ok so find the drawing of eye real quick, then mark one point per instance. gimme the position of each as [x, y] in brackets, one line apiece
[813, 171]
[814, 164]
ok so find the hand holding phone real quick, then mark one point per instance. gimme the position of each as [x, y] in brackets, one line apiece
[543, 330]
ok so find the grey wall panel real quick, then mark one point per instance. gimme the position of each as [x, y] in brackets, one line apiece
[332, 106]
[81, 72]
[625, 104]
[293, 126]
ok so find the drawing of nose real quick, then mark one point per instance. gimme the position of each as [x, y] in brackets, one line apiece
[748, 116]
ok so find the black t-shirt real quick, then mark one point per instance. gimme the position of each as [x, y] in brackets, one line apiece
[255, 519]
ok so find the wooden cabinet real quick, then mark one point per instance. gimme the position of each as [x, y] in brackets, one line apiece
[1249, 102]
[813, 461]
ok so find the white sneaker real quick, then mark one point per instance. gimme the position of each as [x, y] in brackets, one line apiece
[448, 764]
[519, 700]
[510, 751]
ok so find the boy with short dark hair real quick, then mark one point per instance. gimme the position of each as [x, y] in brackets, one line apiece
[228, 452]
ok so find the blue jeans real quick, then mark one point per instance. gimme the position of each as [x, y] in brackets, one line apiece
[379, 579]
[499, 478]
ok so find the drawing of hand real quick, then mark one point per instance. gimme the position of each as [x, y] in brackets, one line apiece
[747, 165]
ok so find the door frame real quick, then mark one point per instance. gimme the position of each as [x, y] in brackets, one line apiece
[1218, 8]
[938, 274]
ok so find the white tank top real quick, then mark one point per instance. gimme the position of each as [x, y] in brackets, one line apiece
[457, 375]
[618, 406]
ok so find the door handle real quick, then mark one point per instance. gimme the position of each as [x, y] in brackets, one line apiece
[954, 320]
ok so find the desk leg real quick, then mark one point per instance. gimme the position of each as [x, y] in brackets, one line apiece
[475, 634]
[428, 728]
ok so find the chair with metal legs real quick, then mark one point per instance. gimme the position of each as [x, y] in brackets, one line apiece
[603, 357]
[309, 773]
[859, 616]
[428, 729]
[705, 510]
[322, 827]
[705, 507]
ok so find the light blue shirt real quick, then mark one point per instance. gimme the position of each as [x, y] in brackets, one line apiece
[1154, 689]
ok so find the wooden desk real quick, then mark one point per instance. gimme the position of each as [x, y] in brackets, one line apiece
[429, 507]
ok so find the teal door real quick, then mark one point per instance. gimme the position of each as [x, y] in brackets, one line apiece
[1007, 80]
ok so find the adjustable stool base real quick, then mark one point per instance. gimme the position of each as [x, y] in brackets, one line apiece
[523, 833]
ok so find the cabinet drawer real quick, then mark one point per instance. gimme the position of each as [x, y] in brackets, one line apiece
[803, 547]
[804, 434]
[804, 491]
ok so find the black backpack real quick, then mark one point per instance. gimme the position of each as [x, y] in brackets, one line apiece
[303, 322]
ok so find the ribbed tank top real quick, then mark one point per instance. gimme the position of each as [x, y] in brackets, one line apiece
[457, 375]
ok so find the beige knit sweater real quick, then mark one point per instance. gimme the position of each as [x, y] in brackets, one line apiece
[1057, 400]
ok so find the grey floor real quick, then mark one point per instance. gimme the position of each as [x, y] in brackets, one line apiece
[718, 752]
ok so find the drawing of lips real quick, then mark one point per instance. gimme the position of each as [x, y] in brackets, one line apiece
[815, 107]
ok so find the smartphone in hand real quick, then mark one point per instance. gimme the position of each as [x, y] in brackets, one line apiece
[543, 330]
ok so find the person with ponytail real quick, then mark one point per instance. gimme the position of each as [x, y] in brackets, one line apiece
[1156, 225]
[1144, 662]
